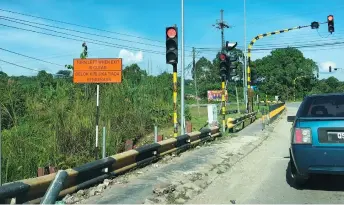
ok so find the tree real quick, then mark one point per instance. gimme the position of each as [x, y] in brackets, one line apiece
[280, 68]
[134, 74]
[64, 73]
[44, 78]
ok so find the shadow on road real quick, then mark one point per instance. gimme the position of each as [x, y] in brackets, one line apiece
[325, 183]
[320, 182]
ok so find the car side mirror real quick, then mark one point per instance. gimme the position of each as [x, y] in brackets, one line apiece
[291, 118]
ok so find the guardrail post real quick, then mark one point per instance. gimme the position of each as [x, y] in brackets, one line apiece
[155, 133]
[55, 188]
[104, 143]
[263, 119]
[188, 127]
[40, 171]
[160, 138]
[128, 145]
[231, 124]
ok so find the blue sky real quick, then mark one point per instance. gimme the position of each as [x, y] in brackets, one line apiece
[147, 20]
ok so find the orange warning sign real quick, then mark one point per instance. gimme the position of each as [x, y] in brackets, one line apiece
[97, 70]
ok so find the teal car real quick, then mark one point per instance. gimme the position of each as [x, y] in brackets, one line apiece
[317, 138]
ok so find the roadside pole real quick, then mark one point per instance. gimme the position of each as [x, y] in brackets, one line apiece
[155, 133]
[0, 146]
[245, 61]
[182, 84]
[223, 86]
[175, 121]
[172, 59]
[97, 71]
[237, 99]
[260, 36]
[104, 143]
[97, 122]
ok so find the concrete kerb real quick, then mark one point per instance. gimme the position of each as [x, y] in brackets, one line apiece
[233, 124]
[34, 188]
[222, 166]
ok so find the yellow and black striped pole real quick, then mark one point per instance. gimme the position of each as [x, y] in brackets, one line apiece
[294, 82]
[175, 122]
[250, 100]
[223, 86]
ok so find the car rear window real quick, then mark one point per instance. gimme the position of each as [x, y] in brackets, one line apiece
[323, 106]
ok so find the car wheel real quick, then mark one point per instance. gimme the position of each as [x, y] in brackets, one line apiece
[294, 179]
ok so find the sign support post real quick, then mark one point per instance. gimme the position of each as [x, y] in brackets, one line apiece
[96, 71]
[97, 123]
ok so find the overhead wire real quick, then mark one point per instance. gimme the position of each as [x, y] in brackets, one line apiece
[108, 44]
[19, 65]
[78, 25]
[255, 20]
[82, 26]
[155, 52]
[37, 59]
[73, 30]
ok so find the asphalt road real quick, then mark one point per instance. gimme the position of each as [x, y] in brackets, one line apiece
[261, 177]
[202, 159]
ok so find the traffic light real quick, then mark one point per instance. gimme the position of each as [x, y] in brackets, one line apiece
[232, 66]
[171, 45]
[224, 69]
[230, 46]
[330, 23]
[330, 69]
[315, 25]
[84, 53]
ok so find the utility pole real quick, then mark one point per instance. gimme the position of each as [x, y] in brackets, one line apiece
[245, 59]
[195, 76]
[0, 149]
[182, 113]
[220, 24]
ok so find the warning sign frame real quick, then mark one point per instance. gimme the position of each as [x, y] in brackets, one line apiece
[97, 70]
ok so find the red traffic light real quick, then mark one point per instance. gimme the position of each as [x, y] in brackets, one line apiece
[171, 33]
[330, 18]
[222, 57]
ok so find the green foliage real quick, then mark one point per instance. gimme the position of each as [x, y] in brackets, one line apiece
[51, 121]
[277, 70]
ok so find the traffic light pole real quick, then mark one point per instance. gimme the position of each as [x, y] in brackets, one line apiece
[223, 86]
[175, 122]
[172, 59]
[250, 98]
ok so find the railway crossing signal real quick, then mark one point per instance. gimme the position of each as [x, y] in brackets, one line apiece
[330, 23]
[171, 45]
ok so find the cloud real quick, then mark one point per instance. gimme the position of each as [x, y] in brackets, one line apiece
[325, 65]
[130, 57]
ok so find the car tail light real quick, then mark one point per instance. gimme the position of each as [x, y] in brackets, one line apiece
[302, 136]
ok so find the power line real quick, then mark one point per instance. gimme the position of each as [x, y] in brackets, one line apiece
[81, 26]
[73, 24]
[7, 19]
[18, 65]
[73, 35]
[79, 40]
[275, 46]
[31, 57]
[261, 20]
[304, 46]
[139, 49]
